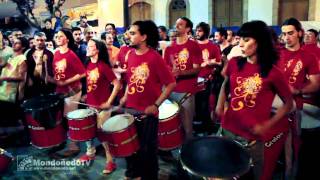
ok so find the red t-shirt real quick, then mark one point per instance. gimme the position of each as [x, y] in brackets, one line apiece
[66, 66]
[209, 51]
[182, 57]
[99, 77]
[297, 65]
[122, 56]
[251, 98]
[145, 77]
[313, 49]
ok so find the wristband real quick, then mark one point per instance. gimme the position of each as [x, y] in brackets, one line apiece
[155, 104]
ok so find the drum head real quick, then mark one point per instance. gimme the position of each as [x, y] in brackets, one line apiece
[80, 114]
[168, 109]
[200, 80]
[41, 102]
[118, 123]
[214, 157]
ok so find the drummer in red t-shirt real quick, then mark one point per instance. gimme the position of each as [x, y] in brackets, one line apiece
[99, 78]
[149, 83]
[252, 81]
[68, 70]
[302, 73]
[211, 58]
[184, 57]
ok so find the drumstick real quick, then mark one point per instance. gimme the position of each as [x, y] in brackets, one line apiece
[92, 106]
[113, 108]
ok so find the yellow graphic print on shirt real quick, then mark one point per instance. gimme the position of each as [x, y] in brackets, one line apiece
[181, 59]
[296, 70]
[60, 69]
[93, 77]
[205, 54]
[246, 92]
[138, 78]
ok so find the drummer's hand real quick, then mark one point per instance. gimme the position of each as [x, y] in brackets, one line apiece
[176, 72]
[204, 64]
[105, 106]
[61, 83]
[151, 110]
[261, 129]
[293, 90]
[122, 101]
[219, 111]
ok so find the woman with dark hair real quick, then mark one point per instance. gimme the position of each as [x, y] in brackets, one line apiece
[252, 81]
[56, 20]
[99, 79]
[149, 83]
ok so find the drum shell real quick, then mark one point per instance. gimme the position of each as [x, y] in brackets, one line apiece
[5, 161]
[44, 109]
[82, 129]
[122, 143]
[46, 138]
[170, 134]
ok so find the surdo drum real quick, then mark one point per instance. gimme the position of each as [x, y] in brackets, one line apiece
[82, 124]
[170, 132]
[44, 119]
[214, 157]
[5, 160]
[121, 135]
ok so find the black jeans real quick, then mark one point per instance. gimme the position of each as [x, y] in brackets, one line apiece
[309, 158]
[144, 163]
[202, 111]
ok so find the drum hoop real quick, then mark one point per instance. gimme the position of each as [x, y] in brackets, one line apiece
[173, 115]
[6, 153]
[39, 109]
[123, 129]
[81, 118]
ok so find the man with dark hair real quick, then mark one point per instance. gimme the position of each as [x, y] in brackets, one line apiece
[12, 82]
[310, 36]
[302, 72]
[39, 62]
[230, 36]
[83, 23]
[81, 47]
[210, 59]
[149, 84]
[163, 33]
[111, 29]
[48, 29]
[220, 37]
[184, 57]
[310, 43]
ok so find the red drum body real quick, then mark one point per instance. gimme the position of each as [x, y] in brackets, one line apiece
[5, 160]
[170, 134]
[82, 124]
[44, 119]
[121, 135]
